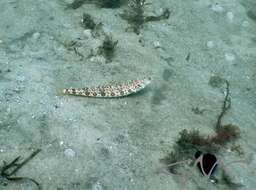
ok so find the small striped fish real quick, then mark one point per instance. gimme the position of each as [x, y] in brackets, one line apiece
[110, 90]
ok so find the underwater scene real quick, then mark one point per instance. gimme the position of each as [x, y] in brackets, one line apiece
[127, 94]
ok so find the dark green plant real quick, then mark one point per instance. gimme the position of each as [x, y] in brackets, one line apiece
[107, 49]
[88, 22]
[192, 140]
[101, 3]
[73, 46]
[135, 15]
[110, 3]
[216, 81]
[8, 170]
[165, 15]
[225, 107]
[76, 4]
[225, 134]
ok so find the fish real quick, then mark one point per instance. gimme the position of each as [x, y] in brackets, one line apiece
[111, 90]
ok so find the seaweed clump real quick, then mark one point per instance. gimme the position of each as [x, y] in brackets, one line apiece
[107, 49]
[8, 170]
[136, 18]
[76, 4]
[74, 45]
[191, 141]
[87, 22]
[110, 3]
[101, 3]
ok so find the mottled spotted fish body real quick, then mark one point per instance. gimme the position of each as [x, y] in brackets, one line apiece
[110, 90]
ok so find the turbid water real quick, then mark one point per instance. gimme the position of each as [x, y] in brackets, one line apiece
[187, 47]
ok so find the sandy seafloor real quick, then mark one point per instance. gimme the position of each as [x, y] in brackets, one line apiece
[117, 144]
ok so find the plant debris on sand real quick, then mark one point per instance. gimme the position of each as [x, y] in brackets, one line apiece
[101, 3]
[191, 141]
[107, 49]
[88, 22]
[136, 18]
[8, 170]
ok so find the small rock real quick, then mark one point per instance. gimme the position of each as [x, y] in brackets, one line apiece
[98, 59]
[8, 110]
[245, 23]
[210, 44]
[97, 186]
[230, 57]
[87, 33]
[157, 44]
[36, 35]
[69, 152]
[230, 16]
[1, 41]
[217, 8]
[21, 78]
[159, 11]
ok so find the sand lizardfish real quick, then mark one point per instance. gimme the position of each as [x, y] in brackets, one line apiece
[112, 90]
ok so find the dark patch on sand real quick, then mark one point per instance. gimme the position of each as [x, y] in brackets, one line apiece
[167, 74]
[159, 95]
[252, 14]
[216, 81]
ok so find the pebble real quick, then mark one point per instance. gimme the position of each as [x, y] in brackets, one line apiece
[159, 11]
[87, 33]
[157, 44]
[21, 78]
[1, 41]
[8, 110]
[245, 23]
[210, 44]
[36, 35]
[230, 16]
[98, 59]
[97, 186]
[230, 57]
[69, 152]
[217, 8]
